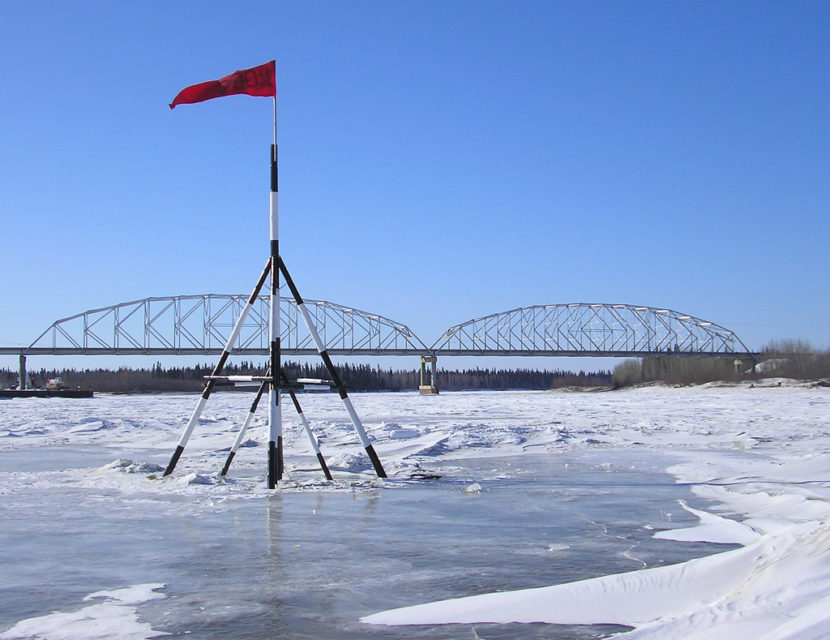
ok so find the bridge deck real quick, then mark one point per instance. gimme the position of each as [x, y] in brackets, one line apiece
[40, 351]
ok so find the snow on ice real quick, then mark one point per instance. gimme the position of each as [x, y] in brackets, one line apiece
[113, 616]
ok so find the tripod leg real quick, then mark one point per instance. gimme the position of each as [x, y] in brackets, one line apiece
[341, 389]
[197, 412]
[244, 428]
[314, 444]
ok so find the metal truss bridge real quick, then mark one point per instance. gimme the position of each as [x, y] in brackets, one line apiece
[201, 324]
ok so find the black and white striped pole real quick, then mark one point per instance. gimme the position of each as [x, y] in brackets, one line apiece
[275, 466]
[341, 389]
[217, 370]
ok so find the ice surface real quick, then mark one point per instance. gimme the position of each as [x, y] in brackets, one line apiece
[571, 494]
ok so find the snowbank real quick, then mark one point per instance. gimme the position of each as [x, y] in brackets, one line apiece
[773, 477]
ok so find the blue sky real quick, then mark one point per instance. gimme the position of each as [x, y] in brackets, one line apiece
[438, 161]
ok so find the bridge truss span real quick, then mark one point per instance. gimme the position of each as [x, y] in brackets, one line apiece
[201, 324]
[574, 329]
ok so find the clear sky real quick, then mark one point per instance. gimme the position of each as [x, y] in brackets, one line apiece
[438, 161]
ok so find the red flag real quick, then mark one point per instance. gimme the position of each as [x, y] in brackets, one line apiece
[256, 81]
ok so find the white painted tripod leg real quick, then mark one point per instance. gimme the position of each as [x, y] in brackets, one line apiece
[318, 343]
[314, 444]
[188, 430]
[356, 422]
[312, 440]
[197, 412]
[237, 442]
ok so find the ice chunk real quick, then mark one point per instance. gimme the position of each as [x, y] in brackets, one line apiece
[125, 465]
[115, 617]
[351, 462]
[196, 478]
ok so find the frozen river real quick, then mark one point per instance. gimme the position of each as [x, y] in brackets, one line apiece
[535, 489]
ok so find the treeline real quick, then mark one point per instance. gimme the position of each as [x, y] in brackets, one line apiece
[796, 359]
[367, 378]
[520, 379]
[787, 359]
[360, 377]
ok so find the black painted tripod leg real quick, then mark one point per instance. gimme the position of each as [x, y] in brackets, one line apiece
[341, 389]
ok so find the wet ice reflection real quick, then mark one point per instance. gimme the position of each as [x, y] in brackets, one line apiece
[309, 564]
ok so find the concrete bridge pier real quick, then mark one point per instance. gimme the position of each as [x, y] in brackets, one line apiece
[431, 388]
[21, 373]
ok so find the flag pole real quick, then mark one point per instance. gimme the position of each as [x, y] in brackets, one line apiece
[256, 81]
[275, 466]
